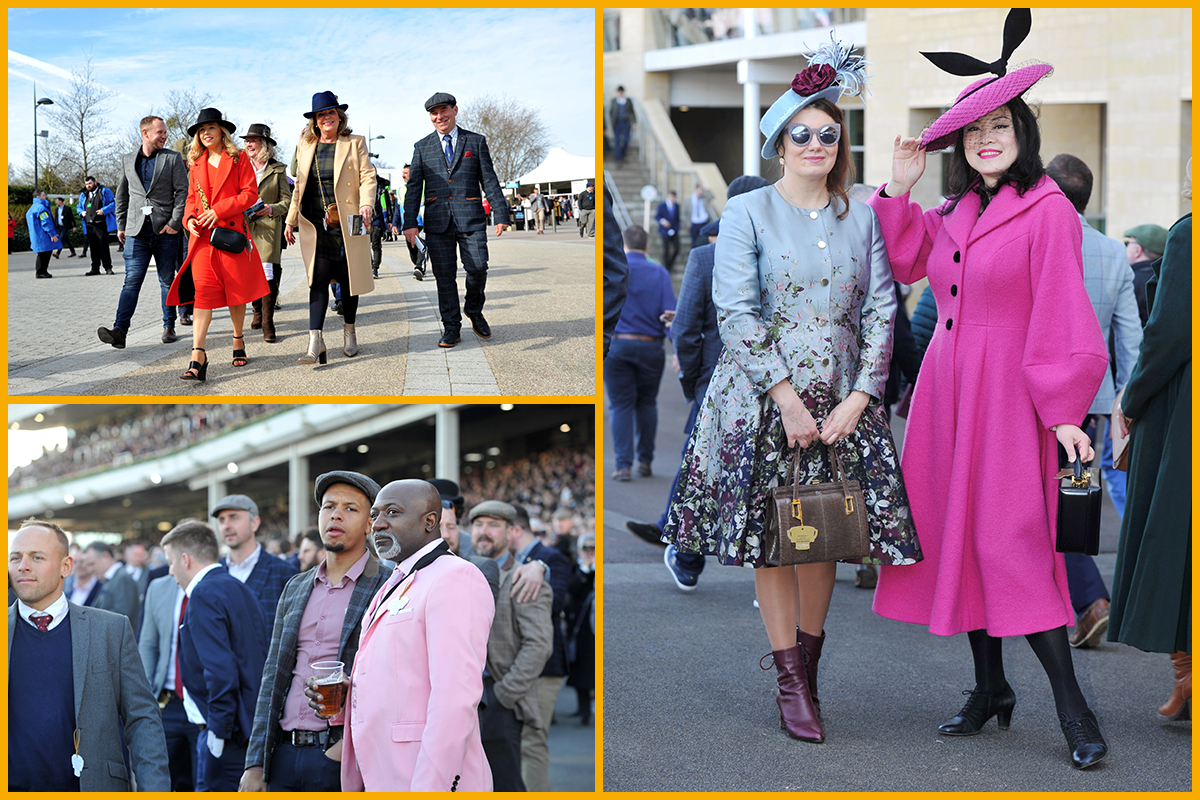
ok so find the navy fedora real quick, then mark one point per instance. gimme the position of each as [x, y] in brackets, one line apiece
[323, 101]
[208, 115]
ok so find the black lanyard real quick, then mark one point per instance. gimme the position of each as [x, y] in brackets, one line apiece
[443, 549]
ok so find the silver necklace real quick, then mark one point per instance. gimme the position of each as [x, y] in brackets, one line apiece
[788, 197]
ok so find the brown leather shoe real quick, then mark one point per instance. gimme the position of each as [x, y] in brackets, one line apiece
[1178, 705]
[796, 713]
[1091, 626]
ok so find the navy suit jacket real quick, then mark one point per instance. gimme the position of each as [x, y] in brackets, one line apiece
[222, 649]
[454, 191]
[671, 216]
[694, 332]
[266, 581]
[560, 574]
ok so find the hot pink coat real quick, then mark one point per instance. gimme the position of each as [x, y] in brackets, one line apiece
[414, 692]
[1017, 350]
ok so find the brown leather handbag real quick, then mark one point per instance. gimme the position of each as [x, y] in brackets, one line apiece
[817, 522]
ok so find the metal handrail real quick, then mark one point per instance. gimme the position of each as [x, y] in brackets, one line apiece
[618, 203]
[680, 178]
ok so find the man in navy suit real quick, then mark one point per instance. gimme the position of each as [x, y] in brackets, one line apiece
[264, 575]
[668, 228]
[222, 649]
[448, 168]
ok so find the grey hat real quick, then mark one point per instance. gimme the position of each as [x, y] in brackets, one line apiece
[496, 509]
[356, 479]
[440, 99]
[237, 502]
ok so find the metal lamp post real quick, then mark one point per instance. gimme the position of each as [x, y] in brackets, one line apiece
[45, 101]
[370, 139]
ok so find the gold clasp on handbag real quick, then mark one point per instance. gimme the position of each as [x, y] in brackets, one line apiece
[849, 505]
[1083, 481]
[801, 535]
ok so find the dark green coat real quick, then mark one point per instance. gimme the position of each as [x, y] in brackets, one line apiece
[1152, 595]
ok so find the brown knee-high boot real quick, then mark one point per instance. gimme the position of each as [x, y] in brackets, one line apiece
[812, 651]
[268, 309]
[796, 713]
[256, 322]
[1177, 705]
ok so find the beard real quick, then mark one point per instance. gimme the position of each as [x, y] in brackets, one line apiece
[335, 547]
[391, 549]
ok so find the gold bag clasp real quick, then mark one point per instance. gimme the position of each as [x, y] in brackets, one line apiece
[801, 535]
[849, 505]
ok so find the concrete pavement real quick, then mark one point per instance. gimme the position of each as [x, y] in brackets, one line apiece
[686, 707]
[540, 304]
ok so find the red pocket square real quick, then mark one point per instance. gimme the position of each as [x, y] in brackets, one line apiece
[468, 154]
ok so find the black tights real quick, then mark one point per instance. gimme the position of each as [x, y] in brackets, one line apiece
[324, 271]
[1052, 650]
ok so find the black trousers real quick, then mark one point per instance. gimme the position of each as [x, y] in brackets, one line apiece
[97, 239]
[500, 731]
[43, 263]
[443, 256]
[324, 271]
[670, 250]
[376, 247]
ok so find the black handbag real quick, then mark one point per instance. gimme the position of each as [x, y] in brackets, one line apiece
[813, 523]
[1079, 513]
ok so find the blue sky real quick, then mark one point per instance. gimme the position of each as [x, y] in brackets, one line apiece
[265, 65]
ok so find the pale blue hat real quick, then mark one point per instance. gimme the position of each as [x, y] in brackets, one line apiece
[833, 70]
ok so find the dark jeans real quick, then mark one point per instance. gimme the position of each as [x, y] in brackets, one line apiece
[64, 238]
[632, 373]
[324, 271]
[303, 769]
[219, 774]
[165, 249]
[670, 250]
[501, 733]
[1083, 582]
[692, 562]
[444, 249]
[97, 239]
[42, 264]
[181, 745]
[620, 139]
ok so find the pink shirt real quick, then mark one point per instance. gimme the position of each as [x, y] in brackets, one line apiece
[320, 633]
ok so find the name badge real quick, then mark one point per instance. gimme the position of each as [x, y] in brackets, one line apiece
[147, 210]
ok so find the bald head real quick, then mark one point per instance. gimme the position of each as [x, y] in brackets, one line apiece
[406, 516]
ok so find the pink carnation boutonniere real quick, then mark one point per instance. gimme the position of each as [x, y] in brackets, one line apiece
[813, 79]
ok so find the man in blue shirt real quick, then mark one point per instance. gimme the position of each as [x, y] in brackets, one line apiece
[635, 362]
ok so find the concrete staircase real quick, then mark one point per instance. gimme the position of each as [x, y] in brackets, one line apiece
[630, 176]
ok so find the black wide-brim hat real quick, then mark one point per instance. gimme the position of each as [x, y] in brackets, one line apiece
[208, 115]
[261, 131]
[323, 101]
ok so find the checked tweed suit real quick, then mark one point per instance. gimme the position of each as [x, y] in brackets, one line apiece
[454, 216]
[281, 657]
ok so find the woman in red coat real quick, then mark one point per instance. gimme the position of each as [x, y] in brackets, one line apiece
[221, 185]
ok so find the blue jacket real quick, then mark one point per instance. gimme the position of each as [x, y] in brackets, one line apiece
[222, 650]
[560, 573]
[110, 209]
[40, 221]
[266, 581]
[694, 332]
[924, 320]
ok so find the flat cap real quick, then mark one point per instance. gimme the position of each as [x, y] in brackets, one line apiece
[496, 509]
[1150, 237]
[236, 502]
[440, 99]
[356, 479]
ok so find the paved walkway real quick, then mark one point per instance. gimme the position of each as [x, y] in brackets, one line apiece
[540, 304]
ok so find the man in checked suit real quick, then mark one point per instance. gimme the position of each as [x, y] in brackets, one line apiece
[319, 619]
[449, 166]
[264, 574]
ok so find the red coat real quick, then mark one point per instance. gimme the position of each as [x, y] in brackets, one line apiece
[210, 277]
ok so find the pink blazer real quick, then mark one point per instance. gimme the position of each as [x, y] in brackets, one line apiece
[417, 680]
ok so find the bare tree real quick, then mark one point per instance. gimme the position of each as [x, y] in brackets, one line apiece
[81, 112]
[56, 167]
[516, 135]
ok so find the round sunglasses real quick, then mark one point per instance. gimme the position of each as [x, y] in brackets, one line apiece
[828, 135]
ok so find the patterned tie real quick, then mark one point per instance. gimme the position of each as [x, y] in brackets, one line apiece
[178, 671]
[449, 149]
[41, 620]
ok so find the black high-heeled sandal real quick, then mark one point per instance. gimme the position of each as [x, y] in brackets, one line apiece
[196, 371]
[240, 354]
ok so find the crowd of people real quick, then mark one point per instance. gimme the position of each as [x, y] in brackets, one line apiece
[220, 672]
[793, 345]
[131, 433]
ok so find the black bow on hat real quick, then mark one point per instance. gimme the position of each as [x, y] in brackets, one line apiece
[1016, 28]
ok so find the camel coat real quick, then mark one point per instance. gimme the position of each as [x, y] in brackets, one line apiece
[354, 187]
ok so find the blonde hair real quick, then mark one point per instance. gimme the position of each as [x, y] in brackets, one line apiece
[197, 150]
[311, 134]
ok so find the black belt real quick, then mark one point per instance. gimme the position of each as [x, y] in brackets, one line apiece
[323, 738]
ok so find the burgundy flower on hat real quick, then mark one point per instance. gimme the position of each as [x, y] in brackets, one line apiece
[813, 79]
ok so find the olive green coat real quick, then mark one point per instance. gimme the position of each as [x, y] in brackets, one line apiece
[1151, 593]
[267, 232]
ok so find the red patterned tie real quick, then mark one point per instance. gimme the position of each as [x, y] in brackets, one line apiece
[178, 672]
[41, 620]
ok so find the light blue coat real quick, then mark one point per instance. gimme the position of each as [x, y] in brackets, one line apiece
[1109, 282]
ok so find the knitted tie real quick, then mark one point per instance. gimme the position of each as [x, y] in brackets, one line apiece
[178, 671]
[41, 620]
[449, 149]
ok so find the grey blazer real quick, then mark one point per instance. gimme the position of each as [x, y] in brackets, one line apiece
[519, 645]
[158, 629]
[110, 686]
[120, 594]
[167, 195]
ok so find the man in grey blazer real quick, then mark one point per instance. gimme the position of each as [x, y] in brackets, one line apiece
[150, 200]
[118, 592]
[78, 680]
[159, 648]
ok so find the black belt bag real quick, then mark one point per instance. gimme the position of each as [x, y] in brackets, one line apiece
[227, 239]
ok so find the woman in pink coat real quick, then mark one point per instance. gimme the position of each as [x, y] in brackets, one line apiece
[1011, 369]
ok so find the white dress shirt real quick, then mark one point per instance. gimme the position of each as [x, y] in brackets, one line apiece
[242, 571]
[58, 610]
